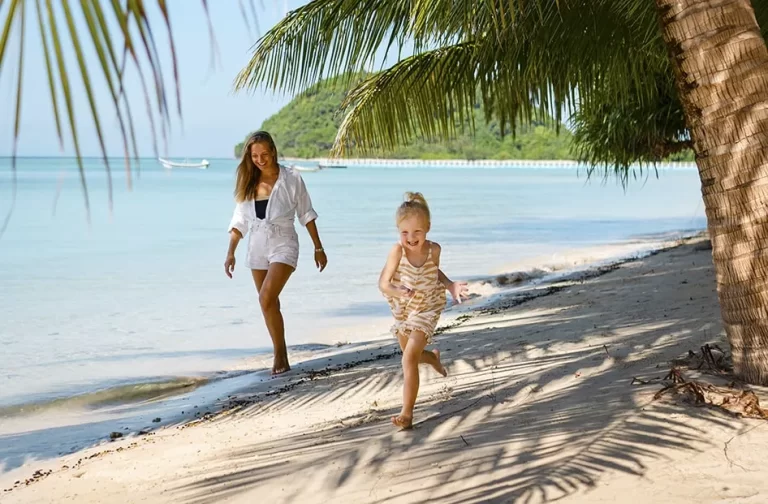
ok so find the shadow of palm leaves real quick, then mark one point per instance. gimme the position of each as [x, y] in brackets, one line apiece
[536, 416]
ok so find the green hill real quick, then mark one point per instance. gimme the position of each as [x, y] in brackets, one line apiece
[306, 128]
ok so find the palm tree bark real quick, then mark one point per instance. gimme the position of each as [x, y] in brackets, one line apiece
[721, 67]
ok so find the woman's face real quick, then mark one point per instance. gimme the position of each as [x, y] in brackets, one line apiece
[261, 155]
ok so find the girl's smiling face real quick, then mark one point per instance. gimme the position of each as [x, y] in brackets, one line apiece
[413, 231]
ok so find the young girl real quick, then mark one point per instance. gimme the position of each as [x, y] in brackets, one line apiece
[415, 289]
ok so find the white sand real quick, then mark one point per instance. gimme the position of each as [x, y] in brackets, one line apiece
[538, 406]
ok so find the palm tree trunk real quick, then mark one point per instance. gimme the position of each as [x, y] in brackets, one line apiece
[721, 67]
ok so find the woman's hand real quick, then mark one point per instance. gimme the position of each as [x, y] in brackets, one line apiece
[320, 259]
[458, 290]
[229, 265]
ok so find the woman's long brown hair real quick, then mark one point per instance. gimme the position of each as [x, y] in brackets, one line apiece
[247, 173]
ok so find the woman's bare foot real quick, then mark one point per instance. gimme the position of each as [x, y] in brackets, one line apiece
[280, 366]
[439, 365]
[402, 421]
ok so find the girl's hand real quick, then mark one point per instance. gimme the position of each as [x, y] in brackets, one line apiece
[320, 259]
[405, 292]
[229, 265]
[458, 290]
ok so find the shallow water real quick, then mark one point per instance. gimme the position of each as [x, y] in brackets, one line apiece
[140, 295]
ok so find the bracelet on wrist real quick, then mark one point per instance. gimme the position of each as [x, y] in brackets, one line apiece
[321, 249]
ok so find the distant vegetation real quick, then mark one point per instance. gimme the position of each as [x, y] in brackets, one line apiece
[306, 128]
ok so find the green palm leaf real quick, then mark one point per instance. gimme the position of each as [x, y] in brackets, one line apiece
[321, 38]
[528, 59]
[424, 95]
[601, 62]
[3, 42]
[523, 73]
[57, 24]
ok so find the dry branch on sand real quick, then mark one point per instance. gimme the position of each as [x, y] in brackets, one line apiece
[713, 359]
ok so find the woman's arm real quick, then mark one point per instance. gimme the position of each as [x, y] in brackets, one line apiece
[312, 230]
[240, 221]
[307, 217]
[321, 260]
[234, 239]
[304, 209]
[238, 227]
[229, 262]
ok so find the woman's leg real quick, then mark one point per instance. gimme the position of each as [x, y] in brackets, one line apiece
[270, 284]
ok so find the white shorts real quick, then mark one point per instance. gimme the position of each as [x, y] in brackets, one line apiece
[269, 244]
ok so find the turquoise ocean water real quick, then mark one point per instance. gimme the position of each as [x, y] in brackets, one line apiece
[140, 294]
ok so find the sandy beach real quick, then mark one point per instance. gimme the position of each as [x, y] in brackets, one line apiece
[547, 399]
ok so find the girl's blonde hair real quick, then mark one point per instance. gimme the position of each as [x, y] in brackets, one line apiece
[247, 172]
[414, 204]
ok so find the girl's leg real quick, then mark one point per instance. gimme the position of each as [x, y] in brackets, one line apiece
[270, 284]
[414, 348]
[427, 357]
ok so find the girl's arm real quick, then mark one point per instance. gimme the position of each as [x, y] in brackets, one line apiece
[457, 289]
[443, 278]
[385, 279]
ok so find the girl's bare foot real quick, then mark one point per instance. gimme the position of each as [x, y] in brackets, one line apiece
[439, 365]
[402, 421]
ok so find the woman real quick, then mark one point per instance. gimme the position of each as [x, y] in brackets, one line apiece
[268, 198]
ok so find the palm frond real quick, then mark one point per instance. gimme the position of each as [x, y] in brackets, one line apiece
[425, 95]
[19, 88]
[530, 60]
[211, 35]
[530, 71]
[65, 88]
[619, 138]
[58, 24]
[49, 71]
[70, 20]
[116, 94]
[322, 38]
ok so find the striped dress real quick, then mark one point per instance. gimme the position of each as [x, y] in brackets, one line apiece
[422, 311]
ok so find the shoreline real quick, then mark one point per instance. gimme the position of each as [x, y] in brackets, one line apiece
[559, 163]
[205, 397]
[523, 274]
[548, 398]
[348, 357]
[469, 163]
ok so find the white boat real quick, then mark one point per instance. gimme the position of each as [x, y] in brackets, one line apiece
[203, 165]
[306, 168]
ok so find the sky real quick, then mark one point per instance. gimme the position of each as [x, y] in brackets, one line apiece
[214, 118]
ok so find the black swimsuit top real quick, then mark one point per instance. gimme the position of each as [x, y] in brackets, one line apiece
[261, 208]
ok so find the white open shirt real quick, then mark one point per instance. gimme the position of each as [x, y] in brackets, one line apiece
[289, 199]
